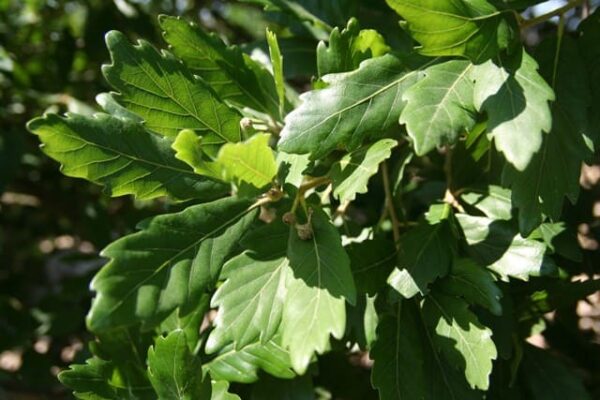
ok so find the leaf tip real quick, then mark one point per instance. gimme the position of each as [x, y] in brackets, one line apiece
[112, 38]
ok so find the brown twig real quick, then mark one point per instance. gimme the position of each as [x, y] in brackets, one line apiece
[389, 201]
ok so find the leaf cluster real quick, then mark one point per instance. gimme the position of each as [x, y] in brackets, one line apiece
[405, 209]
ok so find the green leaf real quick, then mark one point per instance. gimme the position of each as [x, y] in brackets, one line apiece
[354, 107]
[440, 106]
[310, 15]
[320, 282]
[111, 106]
[121, 156]
[515, 97]
[243, 365]
[117, 370]
[269, 388]
[351, 174]
[589, 35]
[372, 262]
[169, 263]
[406, 362]
[91, 381]
[498, 246]
[398, 369]
[561, 239]
[469, 28]
[362, 320]
[174, 372]
[233, 75]
[294, 165]
[475, 284]
[250, 301]
[251, 161]
[220, 391]
[158, 88]
[425, 254]
[557, 294]
[493, 201]
[348, 48]
[464, 342]
[548, 378]
[554, 171]
[188, 320]
[277, 63]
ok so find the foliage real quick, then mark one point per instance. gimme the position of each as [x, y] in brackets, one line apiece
[397, 230]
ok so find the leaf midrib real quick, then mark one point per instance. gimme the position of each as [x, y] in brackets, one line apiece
[125, 155]
[364, 99]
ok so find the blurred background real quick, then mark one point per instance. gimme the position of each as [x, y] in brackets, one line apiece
[52, 227]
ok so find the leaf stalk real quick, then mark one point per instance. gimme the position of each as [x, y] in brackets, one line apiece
[545, 17]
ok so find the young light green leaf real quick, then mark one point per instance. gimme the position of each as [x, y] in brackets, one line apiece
[515, 97]
[174, 372]
[220, 391]
[243, 365]
[354, 107]
[158, 88]
[351, 174]
[459, 336]
[554, 170]
[293, 165]
[277, 63]
[168, 264]
[120, 155]
[498, 246]
[398, 369]
[348, 48]
[188, 148]
[474, 283]
[425, 254]
[233, 75]
[469, 28]
[251, 161]
[320, 281]
[250, 301]
[440, 106]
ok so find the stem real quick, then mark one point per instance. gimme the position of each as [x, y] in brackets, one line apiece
[305, 187]
[450, 196]
[390, 205]
[261, 202]
[560, 34]
[545, 17]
